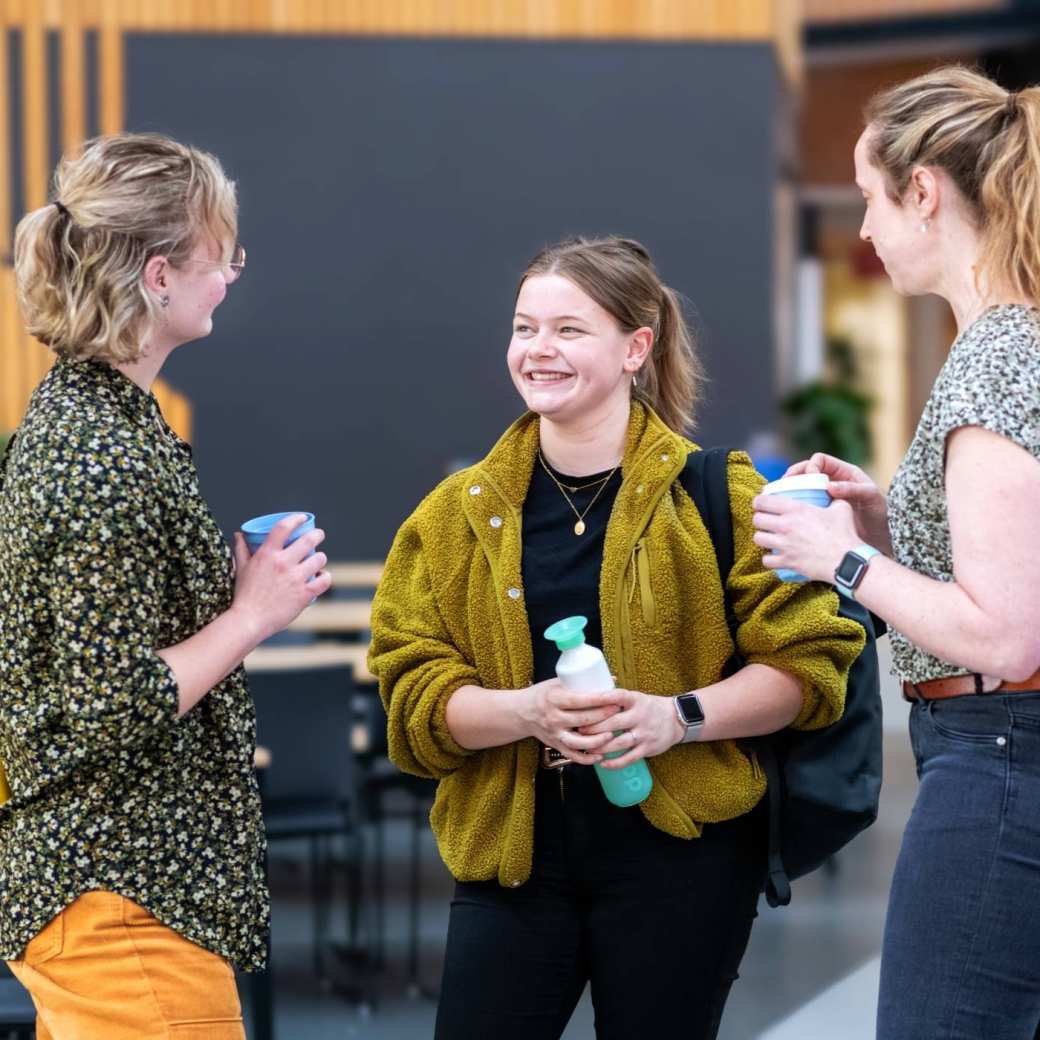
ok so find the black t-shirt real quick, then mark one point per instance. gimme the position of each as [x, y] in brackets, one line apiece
[561, 569]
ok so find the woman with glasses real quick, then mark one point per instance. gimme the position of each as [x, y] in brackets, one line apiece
[131, 846]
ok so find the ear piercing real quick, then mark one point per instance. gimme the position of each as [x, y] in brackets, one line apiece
[164, 301]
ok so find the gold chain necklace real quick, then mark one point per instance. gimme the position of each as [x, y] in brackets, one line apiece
[584, 487]
[579, 527]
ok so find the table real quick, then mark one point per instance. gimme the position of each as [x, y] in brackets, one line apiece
[355, 575]
[314, 655]
[335, 616]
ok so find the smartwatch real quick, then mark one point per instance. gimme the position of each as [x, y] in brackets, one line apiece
[849, 573]
[691, 715]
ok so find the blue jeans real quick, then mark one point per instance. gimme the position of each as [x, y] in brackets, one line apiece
[961, 954]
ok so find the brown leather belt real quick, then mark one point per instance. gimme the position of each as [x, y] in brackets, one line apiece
[959, 685]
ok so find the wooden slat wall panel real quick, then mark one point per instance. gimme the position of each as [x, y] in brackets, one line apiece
[34, 109]
[5, 150]
[11, 379]
[637, 19]
[110, 58]
[23, 361]
[175, 408]
[73, 80]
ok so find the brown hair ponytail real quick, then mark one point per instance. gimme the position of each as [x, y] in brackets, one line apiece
[1010, 197]
[988, 141]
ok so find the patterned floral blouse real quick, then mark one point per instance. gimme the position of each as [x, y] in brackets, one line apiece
[991, 379]
[107, 554]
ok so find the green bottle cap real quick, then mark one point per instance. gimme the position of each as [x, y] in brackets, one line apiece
[568, 633]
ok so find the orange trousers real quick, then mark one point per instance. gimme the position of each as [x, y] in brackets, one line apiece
[105, 969]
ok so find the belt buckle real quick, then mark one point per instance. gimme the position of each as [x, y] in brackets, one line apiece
[553, 759]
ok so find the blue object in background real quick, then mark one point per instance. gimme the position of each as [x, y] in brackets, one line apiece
[767, 454]
[772, 467]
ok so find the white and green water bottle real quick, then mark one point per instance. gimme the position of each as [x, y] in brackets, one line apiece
[583, 668]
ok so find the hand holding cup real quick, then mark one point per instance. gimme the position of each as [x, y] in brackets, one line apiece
[849, 483]
[805, 533]
[278, 572]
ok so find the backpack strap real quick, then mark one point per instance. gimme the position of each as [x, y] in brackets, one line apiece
[705, 479]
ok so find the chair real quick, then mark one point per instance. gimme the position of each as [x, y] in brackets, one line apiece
[17, 1013]
[381, 777]
[310, 788]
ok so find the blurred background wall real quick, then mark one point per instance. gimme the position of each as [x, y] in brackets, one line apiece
[393, 184]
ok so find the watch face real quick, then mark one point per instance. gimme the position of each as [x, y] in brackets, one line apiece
[850, 568]
[690, 709]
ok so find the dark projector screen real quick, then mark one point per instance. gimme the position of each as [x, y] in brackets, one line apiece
[391, 192]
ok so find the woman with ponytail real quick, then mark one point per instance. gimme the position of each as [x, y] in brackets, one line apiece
[131, 846]
[579, 509]
[949, 165]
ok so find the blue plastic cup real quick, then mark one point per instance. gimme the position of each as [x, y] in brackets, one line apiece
[806, 487]
[257, 529]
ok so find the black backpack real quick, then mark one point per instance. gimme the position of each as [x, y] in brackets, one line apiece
[823, 785]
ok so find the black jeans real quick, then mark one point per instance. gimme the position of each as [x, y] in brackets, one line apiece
[657, 924]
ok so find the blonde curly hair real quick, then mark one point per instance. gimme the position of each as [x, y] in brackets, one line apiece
[123, 199]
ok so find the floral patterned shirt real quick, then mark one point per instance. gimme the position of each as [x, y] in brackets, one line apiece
[108, 553]
[991, 379]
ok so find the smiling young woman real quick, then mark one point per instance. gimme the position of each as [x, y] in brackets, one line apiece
[579, 509]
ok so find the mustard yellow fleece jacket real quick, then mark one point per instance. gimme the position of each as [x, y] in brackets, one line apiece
[450, 612]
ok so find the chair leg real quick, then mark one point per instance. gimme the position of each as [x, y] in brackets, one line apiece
[379, 885]
[414, 895]
[355, 859]
[319, 903]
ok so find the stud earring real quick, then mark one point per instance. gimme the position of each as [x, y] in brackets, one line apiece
[164, 301]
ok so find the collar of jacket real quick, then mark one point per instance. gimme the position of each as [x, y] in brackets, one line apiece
[105, 382]
[494, 495]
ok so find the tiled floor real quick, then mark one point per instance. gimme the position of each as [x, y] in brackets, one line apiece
[808, 972]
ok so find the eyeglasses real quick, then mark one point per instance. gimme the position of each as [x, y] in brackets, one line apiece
[232, 268]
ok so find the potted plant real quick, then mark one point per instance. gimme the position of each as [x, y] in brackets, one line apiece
[830, 414]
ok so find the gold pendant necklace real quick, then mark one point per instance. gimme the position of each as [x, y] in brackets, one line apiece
[579, 527]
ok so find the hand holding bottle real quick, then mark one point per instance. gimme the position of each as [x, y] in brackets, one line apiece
[645, 726]
[555, 715]
[583, 669]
